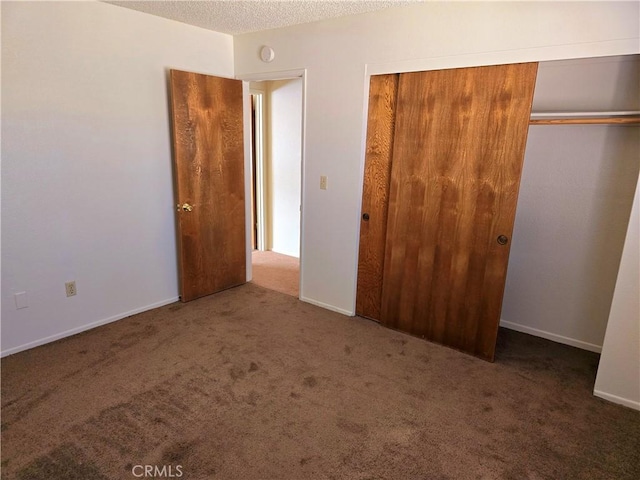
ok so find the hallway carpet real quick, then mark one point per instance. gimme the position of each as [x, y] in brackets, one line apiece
[276, 271]
[253, 384]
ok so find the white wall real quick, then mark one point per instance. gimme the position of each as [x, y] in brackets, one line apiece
[87, 190]
[339, 54]
[574, 203]
[284, 164]
[618, 377]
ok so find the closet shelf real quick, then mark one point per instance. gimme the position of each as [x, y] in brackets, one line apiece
[585, 118]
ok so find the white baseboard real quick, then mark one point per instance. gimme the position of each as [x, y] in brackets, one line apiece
[551, 336]
[84, 328]
[286, 254]
[327, 306]
[619, 400]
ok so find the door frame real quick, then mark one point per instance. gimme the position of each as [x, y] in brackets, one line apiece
[246, 90]
[259, 149]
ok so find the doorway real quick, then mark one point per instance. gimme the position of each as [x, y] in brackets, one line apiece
[276, 134]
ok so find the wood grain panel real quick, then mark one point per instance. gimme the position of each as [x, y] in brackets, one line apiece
[457, 158]
[375, 195]
[209, 172]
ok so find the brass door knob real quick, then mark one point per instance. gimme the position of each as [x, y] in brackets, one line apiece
[502, 240]
[185, 207]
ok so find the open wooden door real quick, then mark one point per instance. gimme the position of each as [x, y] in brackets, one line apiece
[458, 147]
[208, 152]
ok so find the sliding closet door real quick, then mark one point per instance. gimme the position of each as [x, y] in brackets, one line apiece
[458, 149]
[375, 194]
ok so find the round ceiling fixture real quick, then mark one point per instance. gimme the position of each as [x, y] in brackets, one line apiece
[267, 54]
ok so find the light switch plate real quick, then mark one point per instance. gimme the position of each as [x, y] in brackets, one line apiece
[21, 300]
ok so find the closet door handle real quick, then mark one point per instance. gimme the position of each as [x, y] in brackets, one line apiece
[365, 217]
[502, 239]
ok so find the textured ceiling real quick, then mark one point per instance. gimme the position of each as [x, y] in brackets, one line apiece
[241, 16]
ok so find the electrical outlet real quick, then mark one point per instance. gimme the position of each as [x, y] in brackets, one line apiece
[323, 182]
[71, 288]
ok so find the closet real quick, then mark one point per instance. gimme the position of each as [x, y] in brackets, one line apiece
[442, 172]
[444, 156]
[577, 188]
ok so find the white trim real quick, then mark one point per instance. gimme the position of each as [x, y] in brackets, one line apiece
[287, 254]
[551, 336]
[303, 147]
[256, 89]
[89, 326]
[266, 76]
[246, 131]
[327, 306]
[619, 400]
[259, 147]
[606, 48]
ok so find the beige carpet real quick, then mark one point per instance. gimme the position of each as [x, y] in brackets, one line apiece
[253, 384]
[276, 272]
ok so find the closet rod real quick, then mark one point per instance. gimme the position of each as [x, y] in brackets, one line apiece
[613, 113]
[585, 118]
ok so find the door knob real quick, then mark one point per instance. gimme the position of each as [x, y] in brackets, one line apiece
[502, 239]
[185, 207]
[365, 216]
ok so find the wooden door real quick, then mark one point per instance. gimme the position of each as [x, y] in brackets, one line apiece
[383, 90]
[208, 151]
[457, 158]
